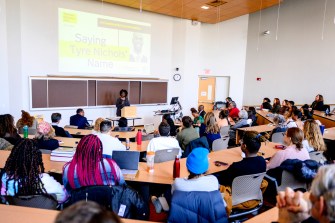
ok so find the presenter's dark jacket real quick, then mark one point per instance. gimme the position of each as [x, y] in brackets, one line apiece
[79, 121]
[59, 131]
[120, 104]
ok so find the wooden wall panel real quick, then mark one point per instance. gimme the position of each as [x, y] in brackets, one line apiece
[154, 92]
[39, 92]
[109, 91]
[135, 92]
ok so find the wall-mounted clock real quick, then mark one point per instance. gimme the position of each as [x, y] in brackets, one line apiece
[176, 77]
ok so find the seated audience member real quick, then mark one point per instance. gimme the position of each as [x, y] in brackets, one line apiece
[44, 136]
[275, 106]
[24, 173]
[187, 133]
[87, 212]
[198, 120]
[59, 131]
[284, 103]
[5, 145]
[123, 126]
[318, 103]
[313, 140]
[279, 123]
[79, 119]
[201, 111]
[251, 164]
[306, 114]
[212, 131]
[252, 115]
[243, 121]
[319, 207]
[294, 148]
[164, 141]
[197, 165]
[223, 118]
[96, 128]
[228, 101]
[26, 120]
[109, 142]
[168, 120]
[8, 130]
[233, 111]
[88, 166]
[266, 104]
[292, 121]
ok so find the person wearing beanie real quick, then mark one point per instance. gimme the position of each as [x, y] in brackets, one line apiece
[197, 165]
[44, 136]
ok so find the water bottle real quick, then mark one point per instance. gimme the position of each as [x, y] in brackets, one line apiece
[127, 144]
[327, 111]
[176, 168]
[25, 131]
[139, 137]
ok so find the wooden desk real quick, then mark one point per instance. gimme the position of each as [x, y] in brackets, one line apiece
[328, 121]
[259, 129]
[329, 133]
[82, 132]
[266, 217]
[262, 119]
[11, 213]
[163, 171]
[67, 142]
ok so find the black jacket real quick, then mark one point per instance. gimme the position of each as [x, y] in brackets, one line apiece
[114, 198]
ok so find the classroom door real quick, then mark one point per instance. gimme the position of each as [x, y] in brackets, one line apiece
[206, 94]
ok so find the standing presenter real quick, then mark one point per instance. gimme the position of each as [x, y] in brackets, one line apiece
[122, 101]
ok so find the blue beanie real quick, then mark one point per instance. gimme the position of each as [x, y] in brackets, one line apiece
[197, 161]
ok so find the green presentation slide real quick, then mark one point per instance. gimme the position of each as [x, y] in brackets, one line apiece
[95, 44]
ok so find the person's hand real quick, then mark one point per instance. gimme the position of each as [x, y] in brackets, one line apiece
[292, 206]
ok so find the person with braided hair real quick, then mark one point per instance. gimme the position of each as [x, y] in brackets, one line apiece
[23, 173]
[251, 164]
[8, 130]
[88, 166]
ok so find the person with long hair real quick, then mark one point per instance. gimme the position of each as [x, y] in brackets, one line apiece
[223, 118]
[275, 106]
[294, 149]
[28, 120]
[24, 173]
[8, 130]
[313, 138]
[318, 103]
[96, 128]
[45, 136]
[212, 131]
[89, 167]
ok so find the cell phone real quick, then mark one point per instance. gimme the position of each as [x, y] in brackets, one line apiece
[117, 136]
[220, 163]
[78, 133]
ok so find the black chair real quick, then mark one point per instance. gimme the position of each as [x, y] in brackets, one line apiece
[196, 143]
[43, 201]
[112, 197]
[325, 107]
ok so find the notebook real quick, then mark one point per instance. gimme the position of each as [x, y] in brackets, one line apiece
[127, 161]
[149, 128]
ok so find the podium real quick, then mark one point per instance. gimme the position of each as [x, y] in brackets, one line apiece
[128, 111]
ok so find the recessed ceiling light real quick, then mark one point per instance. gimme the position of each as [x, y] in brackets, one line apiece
[204, 7]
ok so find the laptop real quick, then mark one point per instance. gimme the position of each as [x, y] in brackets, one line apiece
[149, 128]
[127, 161]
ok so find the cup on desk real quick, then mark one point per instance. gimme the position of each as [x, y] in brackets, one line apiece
[322, 129]
[150, 161]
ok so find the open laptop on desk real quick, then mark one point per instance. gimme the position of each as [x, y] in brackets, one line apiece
[127, 161]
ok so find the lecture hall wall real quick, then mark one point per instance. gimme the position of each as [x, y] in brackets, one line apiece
[28, 41]
[299, 64]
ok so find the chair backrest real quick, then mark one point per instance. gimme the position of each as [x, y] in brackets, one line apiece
[224, 131]
[325, 107]
[288, 180]
[199, 142]
[247, 187]
[44, 201]
[220, 144]
[166, 155]
[278, 137]
[318, 157]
